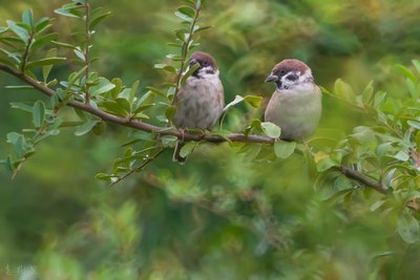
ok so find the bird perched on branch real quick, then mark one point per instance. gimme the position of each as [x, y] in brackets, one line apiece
[200, 101]
[296, 104]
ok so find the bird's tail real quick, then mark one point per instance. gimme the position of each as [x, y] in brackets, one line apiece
[177, 153]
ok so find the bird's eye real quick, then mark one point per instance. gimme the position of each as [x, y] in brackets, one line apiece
[205, 63]
[292, 77]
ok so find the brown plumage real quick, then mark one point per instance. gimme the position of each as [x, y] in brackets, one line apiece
[295, 106]
[200, 101]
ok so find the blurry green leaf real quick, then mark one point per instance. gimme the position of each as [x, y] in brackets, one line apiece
[168, 140]
[408, 228]
[19, 87]
[271, 130]
[379, 99]
[64, 45]
[98, 15]
[133, 91]
[368, 92]
[85, 128]
[188, 148]
[414, 124]
[344, 91]
[79, 53]
[21, 32]
[27, 17]
[3, 29]
[42, 24]
[406, 72]
[167, 68]
[324, 162]
[47, 68]
[170, 112]
[22, 106]
[376, 205]
[189, 72]
[187, 11]
[44, 40]
[104, 85]
[46, 61]
[416, 64]
[184, 13]
[69, 10]
[284, 149]
[112, 106]
[389, 178]
[201, 29]
[38, 113]
[402, 156]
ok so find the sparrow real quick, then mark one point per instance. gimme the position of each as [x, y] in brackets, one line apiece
[200, 101]
[296, 105]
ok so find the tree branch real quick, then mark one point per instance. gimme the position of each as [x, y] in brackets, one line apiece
[162, 131]
[136, 124]
[362, 178]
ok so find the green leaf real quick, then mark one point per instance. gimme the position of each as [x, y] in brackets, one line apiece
[98, 15]
[69, 10]
[3, 29]
[42, 41]
[42, 24]
[64, 45]
[344, 91]
[21, 32]
[86, 127]
[406, 72]
[190, 12]
[414, 124]
[188, 148]
[133, 91]
[46, 61]
[103, 86]
[189, 72]
[165, 67]
[22, 106]
[38, 113]
[416, 64]
[19, 87]
[27, 17]
[402, 156]
[200, 29]
[271, 130]
[253, 100]
[47, 68]
[408, 228]
[284, 149]
[19, 143]
[183, 16]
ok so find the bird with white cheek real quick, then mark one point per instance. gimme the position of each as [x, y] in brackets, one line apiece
[296, 105]
[200, 101]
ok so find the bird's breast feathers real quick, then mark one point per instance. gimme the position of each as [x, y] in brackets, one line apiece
[200, 102]
[296, 111]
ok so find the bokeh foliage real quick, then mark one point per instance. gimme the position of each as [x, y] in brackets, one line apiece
[227, 213]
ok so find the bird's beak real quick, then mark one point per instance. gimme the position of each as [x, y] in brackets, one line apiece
[271, 79]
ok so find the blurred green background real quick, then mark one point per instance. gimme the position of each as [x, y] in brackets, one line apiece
[58, 222]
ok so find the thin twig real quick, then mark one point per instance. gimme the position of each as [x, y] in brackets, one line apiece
[362, 178]
[86, 54]
[185, 48]
[162, 131]
[139, 168]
